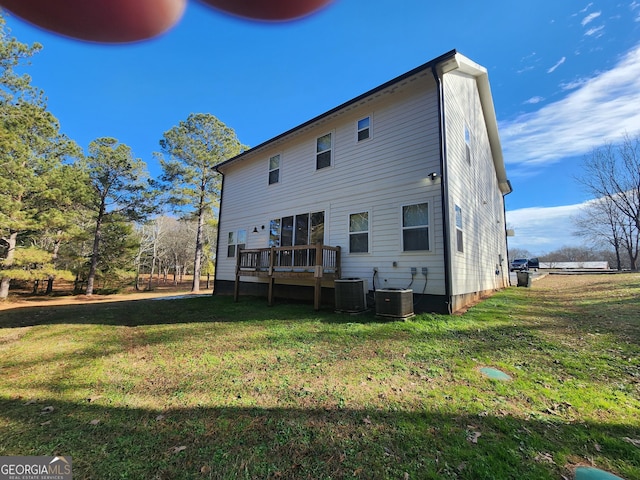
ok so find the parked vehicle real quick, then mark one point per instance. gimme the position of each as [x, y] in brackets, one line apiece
[524, 264]
[519, 264]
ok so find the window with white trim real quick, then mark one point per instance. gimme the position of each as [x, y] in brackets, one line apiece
[274, 169]
[415, 227]
[301, 229]
[459, 236]
[324, 145]
[359, 232]
[364, 128]
[467, 143]
[236, 241]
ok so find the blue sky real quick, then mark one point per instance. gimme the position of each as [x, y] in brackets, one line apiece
[565, 78]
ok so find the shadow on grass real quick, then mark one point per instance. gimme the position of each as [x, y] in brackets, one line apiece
[140, 312]
[229, 442]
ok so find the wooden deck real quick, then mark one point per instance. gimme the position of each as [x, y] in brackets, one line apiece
[316, 262]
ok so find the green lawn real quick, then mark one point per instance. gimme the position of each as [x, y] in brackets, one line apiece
[206, 388]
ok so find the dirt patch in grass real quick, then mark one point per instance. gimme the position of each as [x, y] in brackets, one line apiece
[24, 299]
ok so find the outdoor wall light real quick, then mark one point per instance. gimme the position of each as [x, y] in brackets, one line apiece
[255, 229]
[433, 175]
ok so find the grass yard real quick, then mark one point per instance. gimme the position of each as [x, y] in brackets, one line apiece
[204, 388]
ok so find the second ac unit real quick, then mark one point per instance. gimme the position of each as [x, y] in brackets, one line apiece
[394, 303]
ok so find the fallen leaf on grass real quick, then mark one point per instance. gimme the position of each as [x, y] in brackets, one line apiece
[205, 469]
[544, 458]
[47, 410]
[177, 449]
[633, 441]
[160, 417]
[48, 422]
[473, 434]
[406, 476]
[367, 420]
[94, 422]
[94, 398]
[597, 447]
[30, 402]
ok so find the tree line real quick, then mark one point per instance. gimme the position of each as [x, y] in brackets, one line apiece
[97, 216]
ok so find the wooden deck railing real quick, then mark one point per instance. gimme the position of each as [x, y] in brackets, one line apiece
[301, 261]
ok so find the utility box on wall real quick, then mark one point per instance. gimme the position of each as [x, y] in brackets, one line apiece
[351, 295]
[394, 303]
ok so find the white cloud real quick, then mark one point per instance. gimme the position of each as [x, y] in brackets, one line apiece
[590, 18]
[534, 100]
[602, 109]
[586, 8]
[543, 229]
[634, 5]
[574, 84]
[560, 62]
[597, 31]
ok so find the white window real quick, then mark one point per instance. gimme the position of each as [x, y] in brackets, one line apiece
[359, 232]
[467, 143]
[415, 227]
[274, 169]
[364, 128]
[236, 241]
[324, 145]
[459, 237]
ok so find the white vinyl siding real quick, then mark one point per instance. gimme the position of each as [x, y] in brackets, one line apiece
[469, 155]
[378, 176]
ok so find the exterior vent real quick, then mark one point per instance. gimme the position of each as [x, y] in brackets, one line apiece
[394, 303]
[351, 295]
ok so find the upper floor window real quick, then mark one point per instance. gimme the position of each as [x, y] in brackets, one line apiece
[467, 142]
[324, 145]
[364, 128]
[459, 238]
[274, 169]
[415, 227]
[359, 232]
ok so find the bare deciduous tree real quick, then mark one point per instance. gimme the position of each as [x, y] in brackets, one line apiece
[611, 174]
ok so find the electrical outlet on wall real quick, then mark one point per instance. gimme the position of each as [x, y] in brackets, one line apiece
[414, 270]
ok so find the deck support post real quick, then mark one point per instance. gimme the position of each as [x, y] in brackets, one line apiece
[236, 287]
[317, 290]
[272, 281]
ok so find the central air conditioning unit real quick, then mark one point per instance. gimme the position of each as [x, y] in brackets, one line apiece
[351, 295]
[394, 303]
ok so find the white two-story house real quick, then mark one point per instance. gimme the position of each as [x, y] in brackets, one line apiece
[403, 186]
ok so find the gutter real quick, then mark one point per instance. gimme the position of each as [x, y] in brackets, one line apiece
[444, 192]
[215, 267]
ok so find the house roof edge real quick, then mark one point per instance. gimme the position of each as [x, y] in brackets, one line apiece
[426, 66]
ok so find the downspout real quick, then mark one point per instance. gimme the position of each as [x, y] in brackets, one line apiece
[215, 267]
[506, 236]
[444, 192]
